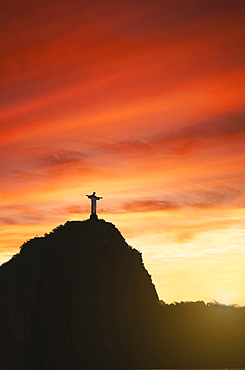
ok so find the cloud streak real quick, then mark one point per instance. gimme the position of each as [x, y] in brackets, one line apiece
[183, 141]
[149, 206]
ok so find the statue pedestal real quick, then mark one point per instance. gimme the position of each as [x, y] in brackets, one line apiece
[94, 218]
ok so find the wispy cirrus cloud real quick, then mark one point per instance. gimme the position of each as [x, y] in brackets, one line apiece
[40, 164]
[8, 221]
[52, 158]
[149, 206]
[75, 209]
[22, 214]
[195, 199]
[220, 130]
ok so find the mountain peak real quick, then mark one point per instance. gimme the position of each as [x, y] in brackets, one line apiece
[79, 295]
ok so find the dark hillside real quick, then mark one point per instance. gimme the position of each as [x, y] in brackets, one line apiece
[202, 336]
[78, 298]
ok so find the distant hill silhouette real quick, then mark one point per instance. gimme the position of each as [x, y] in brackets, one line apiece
[78, 298]
[196, 335]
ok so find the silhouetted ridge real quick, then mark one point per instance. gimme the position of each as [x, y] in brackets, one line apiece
[78, 298]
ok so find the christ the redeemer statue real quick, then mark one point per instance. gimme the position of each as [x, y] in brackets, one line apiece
[94, 199]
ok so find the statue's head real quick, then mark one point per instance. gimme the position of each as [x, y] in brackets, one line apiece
[94, 193]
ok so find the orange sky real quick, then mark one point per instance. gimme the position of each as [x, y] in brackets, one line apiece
[142, 102]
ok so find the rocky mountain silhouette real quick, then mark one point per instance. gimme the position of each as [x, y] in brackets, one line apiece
[77, 298]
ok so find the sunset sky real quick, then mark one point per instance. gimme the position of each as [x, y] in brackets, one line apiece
[142, 102]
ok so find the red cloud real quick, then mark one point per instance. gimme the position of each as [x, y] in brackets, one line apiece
[185, 140]
[60, 157]
[149, 206]
[75, 209]
[8, 221]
